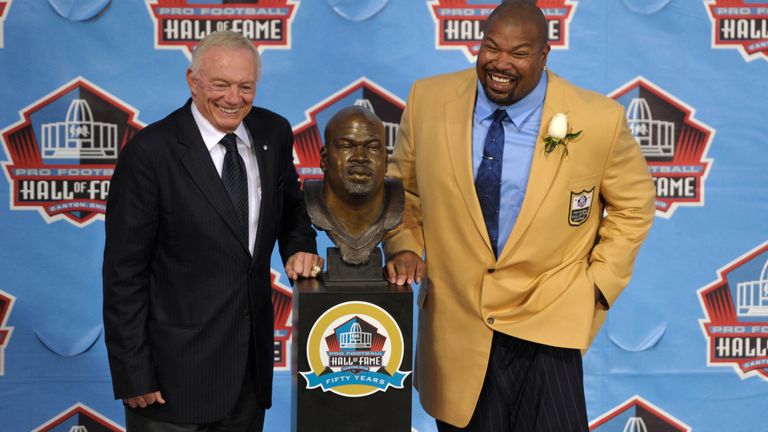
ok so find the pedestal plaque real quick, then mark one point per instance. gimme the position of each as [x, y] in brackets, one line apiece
[353, 339]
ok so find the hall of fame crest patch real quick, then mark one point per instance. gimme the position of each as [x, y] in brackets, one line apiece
[637, 415]
[308, 135]
[580, 206]
[79, 418]
[736, 309]
[741, 25]
[181, 24]
[6, 305]
[459, 23]
[63, 151]
[4, 6]
[673, 141]
[355, 349]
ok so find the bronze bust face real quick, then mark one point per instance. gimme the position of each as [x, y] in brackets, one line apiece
[354, 160]
[355, 204]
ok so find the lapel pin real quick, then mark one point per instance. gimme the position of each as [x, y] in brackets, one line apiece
[265, 148]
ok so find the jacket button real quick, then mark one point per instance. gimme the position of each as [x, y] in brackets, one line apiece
[246, 312]
[491, 270]
[489, 320]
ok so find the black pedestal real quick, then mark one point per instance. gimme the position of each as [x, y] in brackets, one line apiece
[351, 364]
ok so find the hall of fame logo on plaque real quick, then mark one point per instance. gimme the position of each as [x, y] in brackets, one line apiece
[6, 305]
[181, 24]
[79, 418]
[63, 151]
[673, 141]
[4, 6]
[637, 415]
[741, 25]
[459, 23]
[736, 309]
[355, 349]
[308, 135]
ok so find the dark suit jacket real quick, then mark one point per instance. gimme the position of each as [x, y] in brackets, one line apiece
[182, 294]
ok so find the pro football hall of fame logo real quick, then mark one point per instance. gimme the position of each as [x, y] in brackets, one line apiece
[355, 349]
[741, 25]
[637, 415]
[4, 6]
[736, 309]
[282, 297]
[62, 151]
[181, 24]
[309, 133]
[459, 23]
[79, 418]
[6, 305]
[674, 143]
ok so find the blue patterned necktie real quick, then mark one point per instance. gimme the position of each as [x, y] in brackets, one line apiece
[235, 179]
[488, 179]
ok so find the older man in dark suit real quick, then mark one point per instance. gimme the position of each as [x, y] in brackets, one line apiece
[196, 205]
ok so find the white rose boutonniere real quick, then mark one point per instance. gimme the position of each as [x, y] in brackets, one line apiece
[557, 133]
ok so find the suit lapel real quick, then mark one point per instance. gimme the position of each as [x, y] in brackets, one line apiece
[458, 124]
[544, 166]
[263, 151]
[198, 163]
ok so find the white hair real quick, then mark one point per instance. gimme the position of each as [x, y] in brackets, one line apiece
[224, 38]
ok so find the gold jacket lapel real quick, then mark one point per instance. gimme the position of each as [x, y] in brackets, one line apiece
[458, 121]
[544, 166]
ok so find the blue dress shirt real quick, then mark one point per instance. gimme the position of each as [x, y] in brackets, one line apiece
[521, 131]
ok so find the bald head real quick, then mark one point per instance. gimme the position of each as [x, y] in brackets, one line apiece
[519, 12]
[350, 114]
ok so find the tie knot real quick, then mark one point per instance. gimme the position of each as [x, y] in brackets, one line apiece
[499, 115]
[229, 142]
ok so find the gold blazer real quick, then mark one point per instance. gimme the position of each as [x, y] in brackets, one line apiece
[581, 224]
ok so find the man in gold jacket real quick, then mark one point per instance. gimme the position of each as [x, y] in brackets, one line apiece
[516, 286]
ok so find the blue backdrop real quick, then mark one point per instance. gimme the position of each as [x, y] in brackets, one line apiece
[684, 348]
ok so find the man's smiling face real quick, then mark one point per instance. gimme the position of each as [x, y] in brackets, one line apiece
[512, 58]
[224, 86]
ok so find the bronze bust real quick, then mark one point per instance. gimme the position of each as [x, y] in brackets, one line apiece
[354, 204]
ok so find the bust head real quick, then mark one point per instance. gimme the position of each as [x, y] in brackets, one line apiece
[354, 157]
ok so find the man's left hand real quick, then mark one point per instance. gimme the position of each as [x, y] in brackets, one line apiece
[303, 264]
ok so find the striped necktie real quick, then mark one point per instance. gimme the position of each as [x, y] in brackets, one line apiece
[235, 179]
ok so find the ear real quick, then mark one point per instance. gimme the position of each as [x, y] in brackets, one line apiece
[191, 83]
[544, 55]
[323, 154]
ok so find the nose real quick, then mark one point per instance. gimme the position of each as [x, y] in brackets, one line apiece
[232, 95]
[359, 153]
[503, 62]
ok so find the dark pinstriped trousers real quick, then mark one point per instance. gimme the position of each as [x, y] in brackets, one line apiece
[529, 387]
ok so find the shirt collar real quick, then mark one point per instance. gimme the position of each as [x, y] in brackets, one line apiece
[211, 135]
[519, 111]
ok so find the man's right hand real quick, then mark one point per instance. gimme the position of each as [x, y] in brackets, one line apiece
[144, 400]
[405, 266]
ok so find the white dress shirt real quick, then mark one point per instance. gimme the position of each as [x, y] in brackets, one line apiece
[211, 138]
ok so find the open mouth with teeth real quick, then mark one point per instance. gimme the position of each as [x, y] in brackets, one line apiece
[499, 82]
[226, 110]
